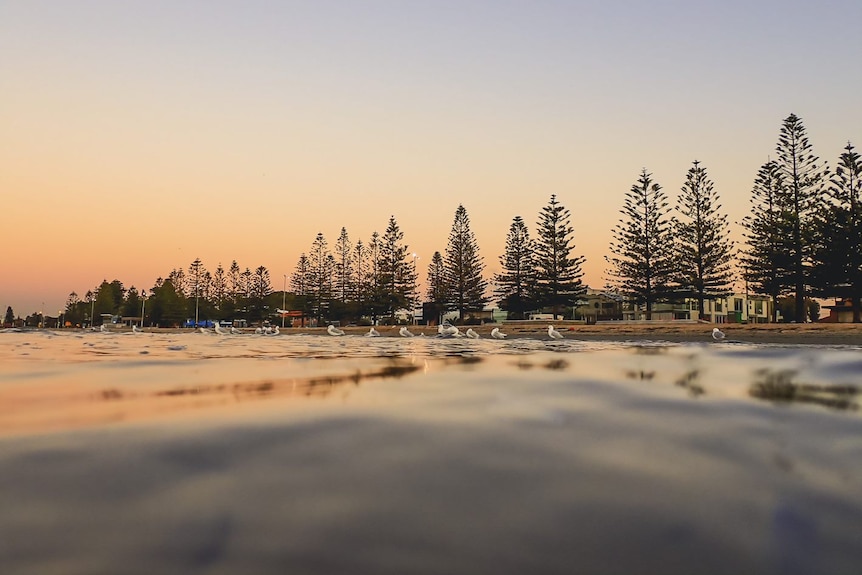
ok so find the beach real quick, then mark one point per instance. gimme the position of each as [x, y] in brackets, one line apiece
[671, 331]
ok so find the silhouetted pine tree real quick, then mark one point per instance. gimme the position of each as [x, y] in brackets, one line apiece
[703, 251]
[397, 276]
[803, 179]
[514, 284]
[437, 294]
[465, 284]
[319, 288]
[558, 276]
[765, 259]
[837, 254]
[343, 267]
[642, 264]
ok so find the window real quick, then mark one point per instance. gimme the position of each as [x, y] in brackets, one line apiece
[758, 307]
[737, 304]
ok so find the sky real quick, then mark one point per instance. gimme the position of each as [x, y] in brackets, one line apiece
[138, 136]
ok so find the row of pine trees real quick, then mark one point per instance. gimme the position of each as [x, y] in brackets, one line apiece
[803, 238]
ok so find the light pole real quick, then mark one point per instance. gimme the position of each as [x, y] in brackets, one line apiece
[415, 285]
[283, 300]
[143, 306]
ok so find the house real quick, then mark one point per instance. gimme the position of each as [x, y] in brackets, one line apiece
[735, 308]
[840, 312]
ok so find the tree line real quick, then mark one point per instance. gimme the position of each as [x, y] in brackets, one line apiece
[802, 239]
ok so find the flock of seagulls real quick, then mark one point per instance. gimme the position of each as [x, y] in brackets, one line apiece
[444, 330]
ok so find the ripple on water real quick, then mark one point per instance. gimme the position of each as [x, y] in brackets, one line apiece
[315, 454]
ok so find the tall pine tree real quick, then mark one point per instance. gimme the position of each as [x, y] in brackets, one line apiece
[558, 275]
[765, 260]
[397, 275]
[437, 294]
[804, 178]
[514, 284]
[703, 250]
[642, 263]
[837, 254]
[464, 266]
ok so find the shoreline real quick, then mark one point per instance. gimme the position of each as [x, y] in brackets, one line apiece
[675, 332]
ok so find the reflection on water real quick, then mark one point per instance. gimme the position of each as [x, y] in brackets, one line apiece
[780, 386]
[179, 453]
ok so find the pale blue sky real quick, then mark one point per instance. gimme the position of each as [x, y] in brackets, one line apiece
[282, 119]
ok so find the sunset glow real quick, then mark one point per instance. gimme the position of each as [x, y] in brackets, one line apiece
[138, 136]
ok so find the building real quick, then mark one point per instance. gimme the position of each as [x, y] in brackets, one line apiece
[840, 312]
[735, 308]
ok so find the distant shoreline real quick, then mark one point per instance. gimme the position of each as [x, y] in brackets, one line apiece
[681, 332]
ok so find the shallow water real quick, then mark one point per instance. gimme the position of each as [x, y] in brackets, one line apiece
[178, 453]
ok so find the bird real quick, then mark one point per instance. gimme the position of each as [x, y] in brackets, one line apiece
[273, 331]
[258, 330]
[372, 333]
[103, 329]
[472, 334]
[136, 329]
[204, 330]
[446, 329]
[332, 330]
[234, 330]
[497, 334]
[218, 328]
[267, 330]
[404, 332]
[717, 334]
[554, 334]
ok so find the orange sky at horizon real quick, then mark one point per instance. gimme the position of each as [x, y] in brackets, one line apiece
[140, 137]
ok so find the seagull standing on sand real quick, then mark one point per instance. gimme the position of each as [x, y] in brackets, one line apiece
[218, 328]
[554, 334]
[372, 333]
[234, 331]
[404, 332]
[717, 334]
[332, 330]
[103, 329]
[497, 334]
[472, 334]
[136, 329]
[204, 330]
[274, 331]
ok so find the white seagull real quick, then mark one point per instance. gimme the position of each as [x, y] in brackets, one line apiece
[258, 330]
[136, 329]
[204, 330]
[446, 329]
[497, 334]
[218, 328]
[717, 334]
[372, 333]
[103, 329]
[554, 334]
[234, 330]
[274, 331]
[404, 332]
[472, 334]
[332, 330]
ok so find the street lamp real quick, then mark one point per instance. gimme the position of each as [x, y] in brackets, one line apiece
[143, 306]
[283, 300]
[415, 285]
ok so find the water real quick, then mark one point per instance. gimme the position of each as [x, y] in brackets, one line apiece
[184, 453]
